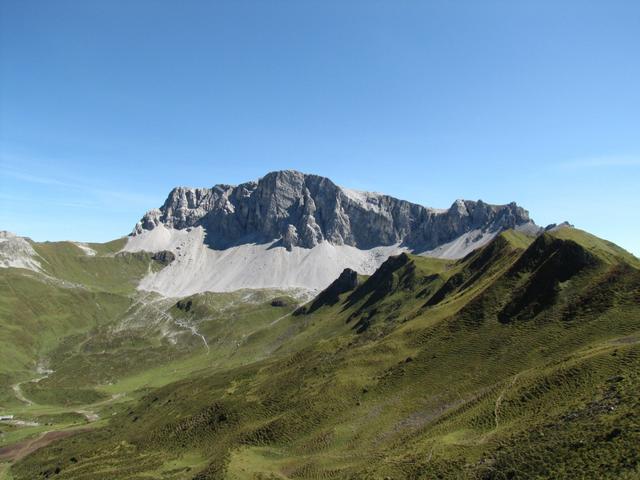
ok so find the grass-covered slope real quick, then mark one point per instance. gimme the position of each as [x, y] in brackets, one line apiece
[519, 361]
[79, 342]
[73, 293]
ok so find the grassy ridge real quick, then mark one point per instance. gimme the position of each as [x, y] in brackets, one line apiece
[106, 271]
[519, 361]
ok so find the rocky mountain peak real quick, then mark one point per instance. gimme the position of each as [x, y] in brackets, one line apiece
[303, 210]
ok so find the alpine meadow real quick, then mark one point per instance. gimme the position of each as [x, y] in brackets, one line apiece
[506, 351]
[319, 240]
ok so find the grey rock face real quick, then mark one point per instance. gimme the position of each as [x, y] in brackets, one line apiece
[557, 226]
[303, 210]
[17, 252]
[165, 257]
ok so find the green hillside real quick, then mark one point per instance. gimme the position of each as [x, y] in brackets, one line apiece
[521, 360]
[74, 293]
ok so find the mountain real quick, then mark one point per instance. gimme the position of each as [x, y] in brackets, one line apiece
[289, 229]
[519, 360]
[509, 351]
[305, 210]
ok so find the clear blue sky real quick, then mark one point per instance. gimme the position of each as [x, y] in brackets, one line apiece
[106, 105]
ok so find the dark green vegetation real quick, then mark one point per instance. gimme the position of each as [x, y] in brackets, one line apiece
[521, 360]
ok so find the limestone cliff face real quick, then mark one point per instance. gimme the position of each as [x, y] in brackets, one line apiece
[303, 210]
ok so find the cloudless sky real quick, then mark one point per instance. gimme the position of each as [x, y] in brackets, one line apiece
[106, 105]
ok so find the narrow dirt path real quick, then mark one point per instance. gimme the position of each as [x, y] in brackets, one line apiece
[282, 317]
[17, 391]
[194, 331]
[17, 387]
[20, 450]
[142, 300]
[92, 416]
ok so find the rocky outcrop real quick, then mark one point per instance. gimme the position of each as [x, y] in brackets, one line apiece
[17, 252]
[301, 210]
[165, 257]
[346, 282]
